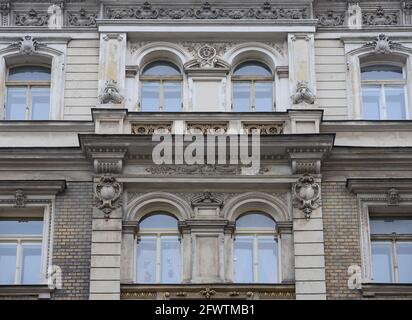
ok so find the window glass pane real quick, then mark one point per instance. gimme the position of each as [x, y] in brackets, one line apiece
[404, 251]
[389, 226]
[7, 263]
[268, 266]
[395, 102]
[381, 72]
[16, 103]
[40, 103]
[252, 68]
[243, 264]
[172, 96]
[29, 74]
[161, 68]
[146, 260]
[241, 97]
[371, 102]
[158, 221]
[255, 220]
[21, 227]
[382, 262]
[150, 96]
[31, 263]
[170, 252]
[263, 96]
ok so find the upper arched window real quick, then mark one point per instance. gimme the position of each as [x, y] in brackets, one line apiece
[161, 87]
[383, 92]
[252, 83]
[28, 93]
[256, 249]
[158, 254]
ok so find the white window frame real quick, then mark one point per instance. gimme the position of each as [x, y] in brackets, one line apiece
[28, 85]
[160, 80]
[255, 233]
[158, 233]
[382, 84]
[39, 211]
[252, 80]
[392, 239]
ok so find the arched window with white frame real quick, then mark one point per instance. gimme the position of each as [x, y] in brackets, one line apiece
[256, 249]
[158, 250]
[28, 93]
[161, 87]
[252, 87]
[383, 91]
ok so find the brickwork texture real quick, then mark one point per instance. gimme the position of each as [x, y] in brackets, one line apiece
[341, 236]
[72, 240]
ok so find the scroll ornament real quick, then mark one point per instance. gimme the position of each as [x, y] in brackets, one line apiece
[306, 195]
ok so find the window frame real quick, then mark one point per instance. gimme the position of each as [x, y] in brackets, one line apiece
[392, 239]
[160, 79]
[255, 233]
[158, 233]
[382, 84]
[40, 212]
[252, 79]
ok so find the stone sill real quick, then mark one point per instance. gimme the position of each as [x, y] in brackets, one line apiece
[208, 291]
[39, 291]
[398, 290]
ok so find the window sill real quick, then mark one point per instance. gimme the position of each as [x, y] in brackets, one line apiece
[37, 291]
[208, 291]
[398, 290]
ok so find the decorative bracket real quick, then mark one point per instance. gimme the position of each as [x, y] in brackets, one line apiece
[306, 195]
[303, 93]
[108, 192]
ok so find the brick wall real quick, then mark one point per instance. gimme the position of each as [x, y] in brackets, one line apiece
[72, 239]
[341, 236]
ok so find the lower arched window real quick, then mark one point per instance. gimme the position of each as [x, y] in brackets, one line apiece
[256, 254]
[158, 253]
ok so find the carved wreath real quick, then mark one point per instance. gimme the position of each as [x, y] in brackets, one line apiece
[306, 195]
[108, 192]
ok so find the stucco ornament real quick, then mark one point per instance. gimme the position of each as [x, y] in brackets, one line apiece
[108, 192]
[31, 18]
[393, 197]
[306, 195]
[382, 44]
[27, 45]
[207, 56]
[20, 199]
[380, 17]
[303, 93]
[111, 93]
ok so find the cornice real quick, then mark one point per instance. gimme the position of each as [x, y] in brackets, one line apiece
[32, 187]
[378, 185]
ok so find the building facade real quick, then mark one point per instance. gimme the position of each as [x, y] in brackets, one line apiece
[85, 212]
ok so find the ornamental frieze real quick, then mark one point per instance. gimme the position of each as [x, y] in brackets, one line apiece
[206, 11]
[380, 17]
[31, 18]
[331, 19]
[82, 18]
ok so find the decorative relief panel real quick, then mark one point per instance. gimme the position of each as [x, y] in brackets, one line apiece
[303, 93]
[206, 11]
[27, 45]
[331, 19]
[151, 128]
[382, 44]
[82, 18]
[107, 193]
[380, 17]
[31, 18]
[207, 128]
[263, 128]
[111, 93]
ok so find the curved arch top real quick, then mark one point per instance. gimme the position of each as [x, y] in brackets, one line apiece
[256, 201]
[161, 51]
[254, 51]
[158, 201]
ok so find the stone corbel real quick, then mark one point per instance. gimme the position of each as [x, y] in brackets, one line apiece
[108, 193]
[106, 160]
[306, 195]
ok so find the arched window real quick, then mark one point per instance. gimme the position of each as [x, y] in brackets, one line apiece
[383, 92]
[252, 83]
[161, 87]
[158, 254]
[28, 93]
[256, 249]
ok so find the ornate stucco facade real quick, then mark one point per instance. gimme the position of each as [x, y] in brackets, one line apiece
[87, 169]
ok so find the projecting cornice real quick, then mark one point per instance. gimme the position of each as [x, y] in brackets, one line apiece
[379, 185]
[32, 187]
